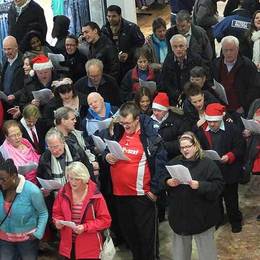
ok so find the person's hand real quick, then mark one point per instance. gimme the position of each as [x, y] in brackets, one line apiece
[151, 196]
[246, 133]
[58, 225]
[45, 192]
[111, 159]
[224, 159]
[201, 122]
[173, 182]
[79, 229]
[10, 97]
[17, 114]
[194, 184]
[35, 102]
[122, 56]
[95, 165]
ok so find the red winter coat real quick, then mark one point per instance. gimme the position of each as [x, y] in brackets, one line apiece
[87, 244]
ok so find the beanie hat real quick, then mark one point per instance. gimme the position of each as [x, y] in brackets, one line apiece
[41, 62]
[161, 101]
[214, 112]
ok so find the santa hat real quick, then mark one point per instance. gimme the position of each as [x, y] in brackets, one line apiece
[214, 112]
[161, 101]
[41, 62]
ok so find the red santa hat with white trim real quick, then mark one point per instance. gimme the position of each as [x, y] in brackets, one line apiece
[161, 102]
[214, 112]
[41, 62]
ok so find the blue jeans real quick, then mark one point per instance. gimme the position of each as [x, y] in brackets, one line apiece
[27, 250]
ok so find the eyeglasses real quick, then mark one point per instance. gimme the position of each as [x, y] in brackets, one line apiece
[186, 147]
[53, 147]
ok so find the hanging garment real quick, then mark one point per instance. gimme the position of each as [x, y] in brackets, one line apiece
[57, 7]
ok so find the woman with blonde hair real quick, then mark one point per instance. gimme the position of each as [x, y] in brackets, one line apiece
[79, 201]
[194, 207]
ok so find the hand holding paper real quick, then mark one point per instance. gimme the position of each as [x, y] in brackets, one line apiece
[67, 223]
[49, 184]
[180, 173]
[116, 149]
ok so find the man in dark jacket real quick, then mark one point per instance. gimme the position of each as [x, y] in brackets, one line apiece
[22, 15]
[125, 35]
[205, 14]
[74, 60]
[176, 68]
[12, 76]
[237, 74]
[227, 141]
[100, 47]
[197, 38]
[137, 181]
[97, 81]
[231, 5]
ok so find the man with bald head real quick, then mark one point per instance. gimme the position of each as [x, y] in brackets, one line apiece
[12, 77]
[23, 16]
[98, 110]
[176, 68]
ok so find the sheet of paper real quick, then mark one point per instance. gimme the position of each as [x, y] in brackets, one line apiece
[104, 124]
[211, 154]
[68, 223]
[251, 125]
[44, 95]
[220, 91]
[3, 96]
[93, 125]
[100, 145]
[116, 149]
[49, 184]
[56, 59]
[27, 168]
[151, 85]
[179, 172]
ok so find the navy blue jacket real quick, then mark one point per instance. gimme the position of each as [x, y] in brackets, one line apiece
[154, 150]
[236, 24]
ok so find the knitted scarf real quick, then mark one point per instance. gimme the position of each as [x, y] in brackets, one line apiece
[160, 48]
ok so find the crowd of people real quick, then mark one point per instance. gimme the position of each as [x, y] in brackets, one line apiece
[166, 99]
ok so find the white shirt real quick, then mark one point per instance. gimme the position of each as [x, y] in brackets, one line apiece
[28, 129]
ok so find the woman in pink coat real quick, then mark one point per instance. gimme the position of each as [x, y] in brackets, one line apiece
[80, 202]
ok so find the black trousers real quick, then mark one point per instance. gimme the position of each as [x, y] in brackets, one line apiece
[137, 216]
[230, 196]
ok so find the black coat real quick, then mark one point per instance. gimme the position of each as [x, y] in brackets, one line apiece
[108, 89]
[246, 79]
[170, 129]
[173, 78]
[32, 17]
[129, 39]
[199, 42]
[195, 211]
[231, 140]
[105, 51]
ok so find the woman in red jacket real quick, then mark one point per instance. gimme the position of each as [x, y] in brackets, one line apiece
[80, 203]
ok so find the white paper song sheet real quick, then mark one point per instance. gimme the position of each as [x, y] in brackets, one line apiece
[67, 223]
[251, 125]
[221, 92]
[211, 154]
[100, 145]
[116, 149]
[44, 95]
[180, 173]
[49, 184]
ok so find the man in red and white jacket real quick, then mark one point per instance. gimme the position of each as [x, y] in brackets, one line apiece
[138, 180]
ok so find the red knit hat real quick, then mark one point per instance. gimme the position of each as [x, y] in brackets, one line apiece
[161, 101]
[41, 62]
[214, 112]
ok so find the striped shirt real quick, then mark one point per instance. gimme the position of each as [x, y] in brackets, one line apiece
[75, 216]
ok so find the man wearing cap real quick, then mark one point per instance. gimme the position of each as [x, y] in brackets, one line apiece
[169, 125]
[225, 138]
[137, 181]
[44, 75]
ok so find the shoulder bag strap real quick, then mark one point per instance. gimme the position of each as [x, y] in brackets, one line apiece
[8, 210]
